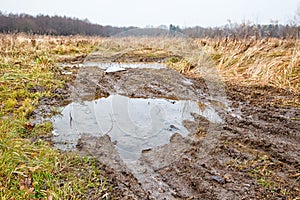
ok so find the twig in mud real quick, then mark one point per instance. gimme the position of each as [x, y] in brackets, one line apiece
[71, 119]
[112, 125]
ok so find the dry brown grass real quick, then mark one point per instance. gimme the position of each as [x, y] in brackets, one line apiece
[179, 53]
[271, 62]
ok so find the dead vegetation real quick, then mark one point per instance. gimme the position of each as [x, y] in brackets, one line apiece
[266, 62]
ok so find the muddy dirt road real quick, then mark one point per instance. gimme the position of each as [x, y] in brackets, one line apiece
[162, 135]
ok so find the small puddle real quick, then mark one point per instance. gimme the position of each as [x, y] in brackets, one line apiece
[133, 124]
[115, 67]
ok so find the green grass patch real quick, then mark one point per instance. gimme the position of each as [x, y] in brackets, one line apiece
[29, 167]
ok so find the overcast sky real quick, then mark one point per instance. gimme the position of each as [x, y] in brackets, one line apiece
[156, 12]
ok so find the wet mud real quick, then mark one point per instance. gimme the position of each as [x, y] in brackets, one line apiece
[252, 150]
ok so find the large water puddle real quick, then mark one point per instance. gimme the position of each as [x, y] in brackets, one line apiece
[133, 124]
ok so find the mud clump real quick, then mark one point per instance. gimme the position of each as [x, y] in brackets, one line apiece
[150, 83]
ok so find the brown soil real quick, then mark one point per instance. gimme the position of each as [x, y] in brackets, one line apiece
[254, 156]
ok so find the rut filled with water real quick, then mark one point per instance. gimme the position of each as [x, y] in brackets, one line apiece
[138, 118]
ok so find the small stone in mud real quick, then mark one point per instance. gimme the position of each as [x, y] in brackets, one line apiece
[218, 179]
[160, 190]
[228, 178]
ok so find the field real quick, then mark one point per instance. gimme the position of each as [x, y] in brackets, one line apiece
[253, 156]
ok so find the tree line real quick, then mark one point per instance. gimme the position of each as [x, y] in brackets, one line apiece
[245, 31]
[57, 25]
[53, 25]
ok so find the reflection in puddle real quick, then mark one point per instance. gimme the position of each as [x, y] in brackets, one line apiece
[133, 124]
[115, 66]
